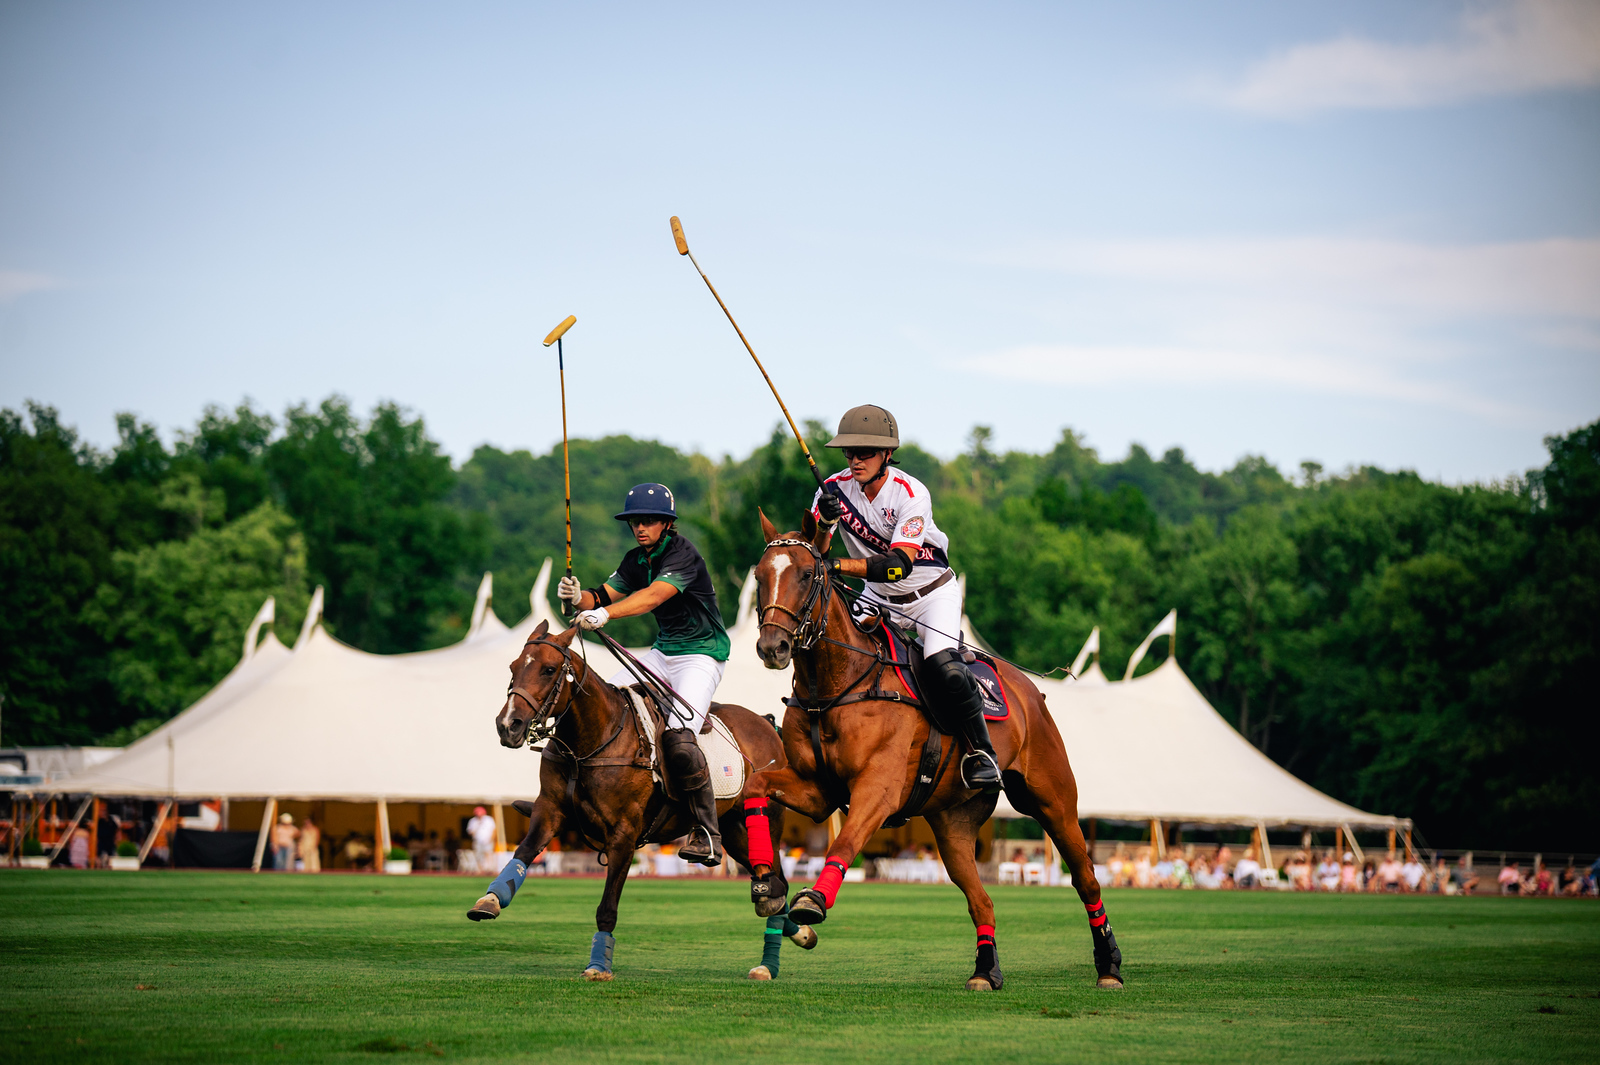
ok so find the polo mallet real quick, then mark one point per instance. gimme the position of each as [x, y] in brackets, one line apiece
[566, 462]
[683, 249]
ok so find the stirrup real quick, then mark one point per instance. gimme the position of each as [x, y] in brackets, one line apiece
[985, 773]
[692, 852]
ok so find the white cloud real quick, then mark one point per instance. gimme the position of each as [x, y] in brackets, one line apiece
[1503, 48]
[1067, 364]
[1432, 325]
[14, 283]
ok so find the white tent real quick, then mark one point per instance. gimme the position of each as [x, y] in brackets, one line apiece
[326, 721]
[1152, 748]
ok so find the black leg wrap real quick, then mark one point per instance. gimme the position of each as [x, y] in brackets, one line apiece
[987, 966]
[772, 886]
[1107, 955]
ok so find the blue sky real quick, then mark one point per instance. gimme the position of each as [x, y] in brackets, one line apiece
[1353, 233]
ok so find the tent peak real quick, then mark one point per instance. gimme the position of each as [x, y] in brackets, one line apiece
[265, 616]
[313, 619]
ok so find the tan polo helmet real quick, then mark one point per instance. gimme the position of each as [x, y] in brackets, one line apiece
[867, 426]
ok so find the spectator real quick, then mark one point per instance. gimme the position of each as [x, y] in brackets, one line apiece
[78, 849]
[283, 836]
[1349, 875]
[1161, 875]
[1247, 874]
[1389, 874]
[1569, 879]
[1114, 866]
[1463, 878]
[482, 830]
[310, 847]
[1369, 876]
[357, 852]
[1543, 882]
[1328, 873]
[1206, 875]
[1141, 869]
[105, 844]
[1510, 878]
[1298, 870]
[1413, 873]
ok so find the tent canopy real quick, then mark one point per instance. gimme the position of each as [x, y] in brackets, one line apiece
[326, 721]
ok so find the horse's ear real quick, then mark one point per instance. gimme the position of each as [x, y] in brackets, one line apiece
[768, 532]
[817, 533]
[565, 638]
[542, 631]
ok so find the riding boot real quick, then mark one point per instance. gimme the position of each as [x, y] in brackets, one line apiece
[963, 704]
[691, 775]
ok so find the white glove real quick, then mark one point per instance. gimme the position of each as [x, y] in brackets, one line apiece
[570, 590]
[593, 619]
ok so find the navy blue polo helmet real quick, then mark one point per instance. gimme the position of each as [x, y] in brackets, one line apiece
[649, 501]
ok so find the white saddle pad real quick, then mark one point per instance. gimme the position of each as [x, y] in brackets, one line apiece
[721, 752]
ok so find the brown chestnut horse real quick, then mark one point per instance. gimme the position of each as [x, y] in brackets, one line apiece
[595, 777]
[871, 750]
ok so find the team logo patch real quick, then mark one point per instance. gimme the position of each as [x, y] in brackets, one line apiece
[912, 527]
[888, 515]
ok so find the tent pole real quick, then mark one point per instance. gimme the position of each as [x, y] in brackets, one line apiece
[1391, 839]
[499, 828]
[1410, 853]
[269, 812]
[1158, 837]
[67, 835]
[94, 833]
[385, 837]
[1355, 848]
[155, 830]
[1264, 846]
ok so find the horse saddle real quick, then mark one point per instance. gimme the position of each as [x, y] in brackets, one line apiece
[906, 655]
[723, 757]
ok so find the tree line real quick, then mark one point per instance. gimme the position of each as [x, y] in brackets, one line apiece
[1406, 646]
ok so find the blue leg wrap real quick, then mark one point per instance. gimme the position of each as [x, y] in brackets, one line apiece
[504, 886]
[600, 952]
[774, 942]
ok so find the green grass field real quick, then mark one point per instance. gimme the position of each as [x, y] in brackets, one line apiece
[215, 967]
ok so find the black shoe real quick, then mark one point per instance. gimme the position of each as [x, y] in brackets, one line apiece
[978, 770]
[701, 848]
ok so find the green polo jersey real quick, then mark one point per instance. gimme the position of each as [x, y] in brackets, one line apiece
[690, 623]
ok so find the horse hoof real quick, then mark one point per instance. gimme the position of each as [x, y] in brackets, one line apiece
[597, 975]
[485, 909]
[805, 939]
[761, 972]
[1109, 983]
[808, 907]
[770, 907]
[979, 983]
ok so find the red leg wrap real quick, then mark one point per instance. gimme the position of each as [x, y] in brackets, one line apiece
[759, 830]
[828, 883]
[1097, 914]
[985, 933]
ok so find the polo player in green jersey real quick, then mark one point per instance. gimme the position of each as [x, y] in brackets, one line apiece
[666, 576]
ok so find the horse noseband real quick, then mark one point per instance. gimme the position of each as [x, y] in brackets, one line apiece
[803, 633]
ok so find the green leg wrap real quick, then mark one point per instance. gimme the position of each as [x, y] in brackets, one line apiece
[774, 941]
[789, 927]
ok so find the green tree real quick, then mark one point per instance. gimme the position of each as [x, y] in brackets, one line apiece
[172, 616]
[372, 502]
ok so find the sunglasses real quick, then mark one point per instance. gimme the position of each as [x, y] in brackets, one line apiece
[862, 452]
[635, 523]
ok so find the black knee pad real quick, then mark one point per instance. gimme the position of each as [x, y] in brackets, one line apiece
[948, 672]
[684, 759]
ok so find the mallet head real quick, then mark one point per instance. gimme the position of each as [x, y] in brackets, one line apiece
[559, 331]
[677, 236]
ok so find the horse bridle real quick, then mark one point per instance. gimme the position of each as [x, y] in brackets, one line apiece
[545, 720]
[807, 630]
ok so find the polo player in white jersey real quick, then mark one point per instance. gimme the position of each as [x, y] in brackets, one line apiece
[886, 516]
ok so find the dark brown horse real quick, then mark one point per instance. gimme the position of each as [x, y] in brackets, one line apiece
[871, 750]
[595, 777]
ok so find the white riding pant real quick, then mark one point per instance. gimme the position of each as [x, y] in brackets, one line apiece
[695, 677]
[939, 610]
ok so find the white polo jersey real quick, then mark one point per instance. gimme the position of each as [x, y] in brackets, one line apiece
[901, 514]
